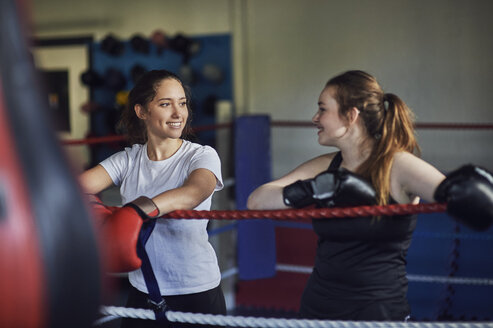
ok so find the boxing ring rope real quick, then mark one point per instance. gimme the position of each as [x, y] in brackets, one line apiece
[243, 321]
[423, 125]
[410, 277]
[119, 138]
[309, 214]
[294, 124]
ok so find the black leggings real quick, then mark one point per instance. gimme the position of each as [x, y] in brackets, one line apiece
[210, 301]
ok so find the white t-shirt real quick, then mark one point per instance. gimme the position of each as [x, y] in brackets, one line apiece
[181, 256]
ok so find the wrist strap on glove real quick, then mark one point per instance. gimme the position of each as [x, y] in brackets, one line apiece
[145, 205]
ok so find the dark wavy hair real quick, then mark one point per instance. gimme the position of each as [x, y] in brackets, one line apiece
[142, 94]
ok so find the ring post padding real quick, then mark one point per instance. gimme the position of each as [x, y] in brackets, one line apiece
[256, 238]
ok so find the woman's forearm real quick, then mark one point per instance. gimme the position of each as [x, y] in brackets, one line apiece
[267, 196]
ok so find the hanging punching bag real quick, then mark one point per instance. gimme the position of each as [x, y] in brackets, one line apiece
[49, 260]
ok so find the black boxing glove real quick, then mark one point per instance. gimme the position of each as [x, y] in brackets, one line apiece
[330, 188]
[298, 194]
[468, 192]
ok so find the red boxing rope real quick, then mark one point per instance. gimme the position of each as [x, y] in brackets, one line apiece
[309, 214]
[446, 126]
[117, 138]
[424, 125]
[94, 140]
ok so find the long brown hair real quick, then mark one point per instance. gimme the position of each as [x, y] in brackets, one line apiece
[387, 119]
[142, 93]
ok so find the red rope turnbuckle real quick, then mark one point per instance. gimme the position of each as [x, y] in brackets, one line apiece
[309, 214]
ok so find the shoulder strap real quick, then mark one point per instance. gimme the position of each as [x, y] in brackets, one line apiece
[336, 161]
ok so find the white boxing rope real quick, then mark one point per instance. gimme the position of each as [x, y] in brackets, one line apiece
[241, 321]
[122, 312]
[225, 274]
[229, 182]
[410, 277]
[293, 268]
[450, 280]
[229, 273]
[104, 320]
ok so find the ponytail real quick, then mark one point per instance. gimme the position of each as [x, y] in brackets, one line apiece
[398, 125]
[397, 134]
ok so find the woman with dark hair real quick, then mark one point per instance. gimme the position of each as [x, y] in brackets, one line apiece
[360, 264]
[162, 172]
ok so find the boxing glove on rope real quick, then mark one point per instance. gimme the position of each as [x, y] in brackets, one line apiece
[468, 192]
[100, 211]
[120, 230]
[334, 187]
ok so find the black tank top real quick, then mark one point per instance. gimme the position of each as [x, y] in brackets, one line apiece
[360, 267]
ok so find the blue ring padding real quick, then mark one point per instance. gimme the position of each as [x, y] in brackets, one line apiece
[297, 225]
[256, 259]
[222, 229]
[419, 234]
[442, 235]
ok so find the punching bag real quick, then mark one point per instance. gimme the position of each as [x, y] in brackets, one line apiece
[50, 272]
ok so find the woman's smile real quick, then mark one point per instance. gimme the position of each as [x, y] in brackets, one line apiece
[175, 125]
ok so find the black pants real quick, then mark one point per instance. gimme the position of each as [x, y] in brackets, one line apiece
[210, 301]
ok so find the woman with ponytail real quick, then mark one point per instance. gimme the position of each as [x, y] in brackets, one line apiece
[360, 264]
